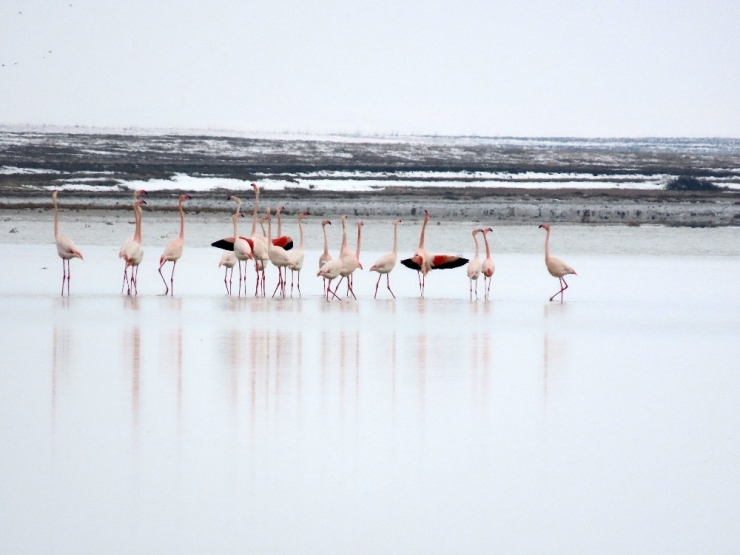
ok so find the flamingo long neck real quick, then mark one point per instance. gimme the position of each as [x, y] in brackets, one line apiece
[476, 244]
[269, 230]
[56, 218]
[547, 245]
[488, 250]
[280, 224]
[300, 230]
[395, 238]
[182, 223]
[326, 241]
[137, 217]
[344, 237]
[423, 231]
[359, 240]
[256, 211]
[236, 226]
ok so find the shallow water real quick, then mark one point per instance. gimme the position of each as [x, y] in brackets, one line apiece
[203, 423]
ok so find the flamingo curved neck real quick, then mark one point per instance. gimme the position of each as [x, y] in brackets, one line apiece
[488, 250]
[344, 237]
[56, 218]
[476, 244]
[395, 238]
[256, 211]
[137, 219]
[547, 245]
[359, 240]
[182, 222]
[326, 242]
[423, 231]
[300, 230]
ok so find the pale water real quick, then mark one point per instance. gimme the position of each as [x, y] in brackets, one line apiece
[208, 424]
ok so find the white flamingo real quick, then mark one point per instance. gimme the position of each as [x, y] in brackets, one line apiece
[325, 256]
[278, 256]
[66, 248]
[386, 263]
[488, 266]
[474, 267]
[296, 256]
[134, 252]
[557, 267]
[173, 250]
[242, 250]
[350, 263]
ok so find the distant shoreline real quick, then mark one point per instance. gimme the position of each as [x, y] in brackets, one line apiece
[32, 163]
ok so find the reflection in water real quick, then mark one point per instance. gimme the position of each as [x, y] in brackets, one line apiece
[552, 349]
[132, 357]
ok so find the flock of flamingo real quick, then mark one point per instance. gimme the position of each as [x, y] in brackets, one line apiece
[264, 248]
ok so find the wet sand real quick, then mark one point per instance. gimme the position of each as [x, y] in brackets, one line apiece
[199, 423]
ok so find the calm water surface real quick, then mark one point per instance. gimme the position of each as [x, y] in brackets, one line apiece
[201, 423]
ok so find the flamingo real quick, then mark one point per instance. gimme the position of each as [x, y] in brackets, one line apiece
[296, 256]
[227, 243]
[325, 256]
[350, 263]
[423, 261]
[259, 245]
[66, 249]
[557, 267]
[278, 256]
[386, 263]
[126, 243]
[228, 261]
[284, 241]
[345, 251]
[134, 253]
[488, 266]
[474, 267]
[173, 250]
[242, 250]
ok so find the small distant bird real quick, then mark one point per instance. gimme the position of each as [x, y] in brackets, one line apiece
[557, 267]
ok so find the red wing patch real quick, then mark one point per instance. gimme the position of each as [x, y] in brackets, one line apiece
[284, 242]
[446, 262]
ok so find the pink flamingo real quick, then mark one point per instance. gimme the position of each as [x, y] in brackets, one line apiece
[228, 261]
[278, 256]
[488, 266]
[296, 256]
[284, 241]
[242, 249]
[126, 243]
[423, 261]
[173, 250]
[350, 262]
[557, 267]
[133, 252]
[66, 248]
[325, 256]
[474, 267]
[386, 263]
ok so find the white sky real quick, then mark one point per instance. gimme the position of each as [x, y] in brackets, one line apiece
[524, 67]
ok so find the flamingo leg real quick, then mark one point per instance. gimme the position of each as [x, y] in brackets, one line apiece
[376, 286]
[563, 287]
[172, 278]
[166, 289]
[135, 279]
[279, 283]
[298, 283]
[328, 290]
[388, 283]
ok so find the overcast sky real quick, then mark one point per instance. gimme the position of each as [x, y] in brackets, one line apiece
[524, 67]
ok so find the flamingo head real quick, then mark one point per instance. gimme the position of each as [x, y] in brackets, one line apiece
[325, 222]
[427, 215]
[139, 193]
[545, 227]
[54, 195]
[476, 231]
[235, 199]
[255, 187]
[185, 197]
[488, 230]
[360, 223]
[398, 221]
[140, 202]
[279, 209]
